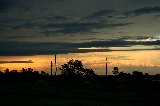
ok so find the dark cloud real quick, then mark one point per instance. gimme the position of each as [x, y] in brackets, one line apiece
[106, 13]
[19, 23]
[25, 5]
[117, 43]
[16, 24]
[64, 27]
[157, 16]
[145, 10]
[31, 48]
[140, 38]
[60, 17]
[45, 18]
[69, 28]
[18, 37]
[6, 4]
[5, 62]
[91, 39]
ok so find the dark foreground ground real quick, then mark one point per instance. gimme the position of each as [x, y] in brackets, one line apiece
[80, 94]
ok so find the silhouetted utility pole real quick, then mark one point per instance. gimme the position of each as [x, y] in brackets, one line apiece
[51, 68]
[55, 63]
[55, 59]
[106, 66]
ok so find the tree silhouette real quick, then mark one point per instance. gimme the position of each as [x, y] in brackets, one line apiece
[74, 69]
[115, 70]
[137, 75]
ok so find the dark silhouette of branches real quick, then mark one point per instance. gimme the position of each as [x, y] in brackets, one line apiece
[74, 70]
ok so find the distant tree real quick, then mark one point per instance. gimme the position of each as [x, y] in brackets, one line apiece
[6, 71]
[146, 74]
[75, 68]
[1, 74]
[43, 73]
[88, 72]
[137, 75]
[115, 70]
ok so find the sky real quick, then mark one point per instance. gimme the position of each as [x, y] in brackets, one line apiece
[45, 27]
[40, 27]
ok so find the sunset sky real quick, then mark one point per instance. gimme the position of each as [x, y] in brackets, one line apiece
[33, 30]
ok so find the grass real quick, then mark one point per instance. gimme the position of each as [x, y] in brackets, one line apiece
[79, 94]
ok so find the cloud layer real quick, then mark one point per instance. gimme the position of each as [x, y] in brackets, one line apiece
[5, 62]
[76, 24]
[25, 48]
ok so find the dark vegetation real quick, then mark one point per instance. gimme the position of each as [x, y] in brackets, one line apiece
[79, 86]
[73, 71]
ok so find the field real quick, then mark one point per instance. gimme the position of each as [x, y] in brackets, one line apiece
[79, 94]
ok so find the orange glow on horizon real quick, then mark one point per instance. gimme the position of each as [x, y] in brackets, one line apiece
[127, 61]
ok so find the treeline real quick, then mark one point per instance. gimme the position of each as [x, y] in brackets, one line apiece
[134, 76]
[73, 71]
[86, 75]
[24, 75]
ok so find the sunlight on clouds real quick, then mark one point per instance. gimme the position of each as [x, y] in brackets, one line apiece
[127, 61]
[92, 48]
[136, 47]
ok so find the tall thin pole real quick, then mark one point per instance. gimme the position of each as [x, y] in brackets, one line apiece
[55, 63]
[55, 59]
[51, 68]
[106, 66]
